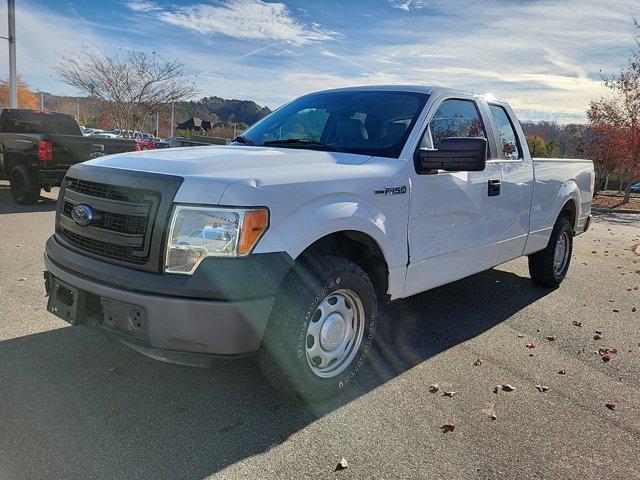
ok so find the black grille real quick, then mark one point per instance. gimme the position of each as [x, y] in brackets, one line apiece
[117, 222]
[111, 234]
[109, 250]
[110, 192]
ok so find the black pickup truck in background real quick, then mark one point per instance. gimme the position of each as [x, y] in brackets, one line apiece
[37, 148]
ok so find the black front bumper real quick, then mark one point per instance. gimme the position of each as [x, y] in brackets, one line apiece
[223, 309]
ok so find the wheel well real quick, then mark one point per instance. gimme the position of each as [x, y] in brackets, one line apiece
[361, 249]
[569, 212]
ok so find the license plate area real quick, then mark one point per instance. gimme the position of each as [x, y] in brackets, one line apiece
[124, 318]
[65, 301]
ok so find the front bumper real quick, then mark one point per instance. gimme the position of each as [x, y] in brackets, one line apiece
[171, 324]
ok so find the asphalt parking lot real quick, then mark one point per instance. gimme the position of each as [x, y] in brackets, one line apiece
[76, 405]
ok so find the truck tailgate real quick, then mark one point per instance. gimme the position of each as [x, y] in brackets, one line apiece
[71, 149]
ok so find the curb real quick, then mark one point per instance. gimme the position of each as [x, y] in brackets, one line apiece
[608, 210]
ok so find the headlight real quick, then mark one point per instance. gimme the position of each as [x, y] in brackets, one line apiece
[199, 232]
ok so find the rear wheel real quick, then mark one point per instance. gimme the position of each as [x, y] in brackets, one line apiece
[25, 186]
[320, 330]
[549, 266]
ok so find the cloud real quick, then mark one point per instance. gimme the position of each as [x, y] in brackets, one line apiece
[247, 20]
[408, 5]
[142, 6]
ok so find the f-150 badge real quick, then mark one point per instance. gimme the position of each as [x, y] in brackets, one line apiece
[391, 190]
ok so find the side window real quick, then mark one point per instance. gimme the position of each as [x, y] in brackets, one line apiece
[456, 118]
[506, 133]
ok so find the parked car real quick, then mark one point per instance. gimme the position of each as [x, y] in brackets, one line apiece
[635, 188]
[104, 135]
[37, 148]
[145, 144]
[284, 244]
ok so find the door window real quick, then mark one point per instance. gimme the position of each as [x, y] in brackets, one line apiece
[509, 144]
[455, 118]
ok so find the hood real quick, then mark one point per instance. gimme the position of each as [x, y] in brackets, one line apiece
[230, 162]
[208, 171]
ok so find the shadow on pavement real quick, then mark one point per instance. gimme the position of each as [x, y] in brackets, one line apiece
[617, 217]
[75, 405]
[8, 205]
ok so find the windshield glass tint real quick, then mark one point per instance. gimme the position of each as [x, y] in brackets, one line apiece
[363, 122]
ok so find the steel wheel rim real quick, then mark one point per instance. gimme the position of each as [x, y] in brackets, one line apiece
[334, 333]
[561, 254]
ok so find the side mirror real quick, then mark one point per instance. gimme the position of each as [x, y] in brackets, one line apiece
[456, 154]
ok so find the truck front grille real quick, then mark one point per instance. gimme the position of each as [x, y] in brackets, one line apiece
[108, 250]
[123, 220]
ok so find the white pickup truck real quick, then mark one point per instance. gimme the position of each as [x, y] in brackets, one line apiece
[285, 242]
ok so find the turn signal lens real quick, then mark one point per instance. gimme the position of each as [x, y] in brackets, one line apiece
[254, 224]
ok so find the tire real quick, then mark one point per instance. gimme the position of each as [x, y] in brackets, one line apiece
[545, 267]
[25, 186]
[322, 306]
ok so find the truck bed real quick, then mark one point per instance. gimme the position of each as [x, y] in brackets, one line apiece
[554, 178]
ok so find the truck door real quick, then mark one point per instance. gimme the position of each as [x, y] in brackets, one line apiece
[453, 216]
[517, 182]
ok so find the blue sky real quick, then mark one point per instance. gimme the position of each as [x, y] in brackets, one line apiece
[542, 56]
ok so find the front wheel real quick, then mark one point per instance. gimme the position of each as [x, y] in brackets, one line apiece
[25, 186]
[549, 266]
[321, 329]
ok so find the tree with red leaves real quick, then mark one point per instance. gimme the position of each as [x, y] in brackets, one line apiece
[616, 120]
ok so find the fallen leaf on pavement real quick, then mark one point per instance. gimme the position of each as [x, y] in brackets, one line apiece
[497, 388]
[542, 388]
[577, 323]
[342, 464]
[597, 337]
[434, 388]
[448, 426]
[112, 369]
[508, 388]
[449, 393]
[615, 310]
[551, 339]
[478, 362]
[606, 357]
[611, 406]
[490, 412]
[562, 371]
[530, 345]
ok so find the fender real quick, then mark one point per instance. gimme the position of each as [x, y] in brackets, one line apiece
[569, 191]
[330, 214]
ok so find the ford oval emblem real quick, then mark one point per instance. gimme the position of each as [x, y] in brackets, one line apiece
[82, 215]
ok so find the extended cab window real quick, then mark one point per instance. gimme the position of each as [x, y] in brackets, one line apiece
[507, 135]
[365, 122]
[455, 118]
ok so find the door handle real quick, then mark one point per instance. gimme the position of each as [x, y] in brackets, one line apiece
[494, 187]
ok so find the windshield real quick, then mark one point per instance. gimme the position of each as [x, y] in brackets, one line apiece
[365, 122]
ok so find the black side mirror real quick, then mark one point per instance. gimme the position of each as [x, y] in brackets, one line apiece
[456, 154]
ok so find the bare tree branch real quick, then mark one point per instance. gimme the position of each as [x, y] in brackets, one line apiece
[133, 85]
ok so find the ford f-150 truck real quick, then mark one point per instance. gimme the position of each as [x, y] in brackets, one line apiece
[37, 147]
[286, 242]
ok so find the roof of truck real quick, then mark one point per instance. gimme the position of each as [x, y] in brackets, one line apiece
[427, 89]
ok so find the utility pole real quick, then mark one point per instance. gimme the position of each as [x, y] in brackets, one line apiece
[13, 76]
[173, 112]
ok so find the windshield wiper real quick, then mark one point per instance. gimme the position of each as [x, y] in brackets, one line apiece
[243, 139]
[301, 142]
